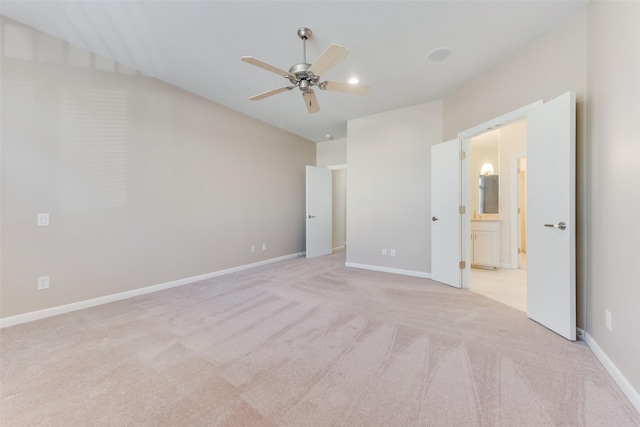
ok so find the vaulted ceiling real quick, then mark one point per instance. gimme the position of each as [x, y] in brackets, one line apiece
[197, 45]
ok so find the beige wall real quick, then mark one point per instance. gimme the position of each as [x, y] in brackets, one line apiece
[553, 64]
[144, 183]
[331, 153]
[614, 173]
[389, 187]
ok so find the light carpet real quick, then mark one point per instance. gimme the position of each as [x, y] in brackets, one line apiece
[303, 343]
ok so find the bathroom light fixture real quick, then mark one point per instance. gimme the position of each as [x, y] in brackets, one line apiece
[486, 169]
[354, 80]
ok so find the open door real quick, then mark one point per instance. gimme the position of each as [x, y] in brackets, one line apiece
[319, 214]
[445, 214]
[551, 265]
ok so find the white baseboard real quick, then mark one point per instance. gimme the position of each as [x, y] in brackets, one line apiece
[389, 270]
[337, 248]
[61, 309]
[626, 387]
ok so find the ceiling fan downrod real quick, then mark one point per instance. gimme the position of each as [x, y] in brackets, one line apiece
[304, 33]
[298, 75]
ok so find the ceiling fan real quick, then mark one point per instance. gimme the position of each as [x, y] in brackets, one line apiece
[305, 76]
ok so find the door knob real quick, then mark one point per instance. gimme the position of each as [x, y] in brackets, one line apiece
[311, 216]
[434, 218]
[560, 225]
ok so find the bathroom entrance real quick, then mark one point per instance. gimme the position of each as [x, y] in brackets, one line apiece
[497, 196]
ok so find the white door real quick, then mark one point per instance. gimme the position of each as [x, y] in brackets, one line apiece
[445, 214]
[551, 266]
[319, 213]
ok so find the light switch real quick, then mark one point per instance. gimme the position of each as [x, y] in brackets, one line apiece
[43, 219]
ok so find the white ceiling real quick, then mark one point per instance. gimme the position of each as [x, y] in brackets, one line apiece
[197, 45]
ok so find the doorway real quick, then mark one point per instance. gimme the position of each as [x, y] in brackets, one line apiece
[326, 210]
[496, 191]
[339, 206]
[551, 230]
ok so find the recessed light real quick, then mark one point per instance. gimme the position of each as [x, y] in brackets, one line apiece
[438, 53]
[354, 80]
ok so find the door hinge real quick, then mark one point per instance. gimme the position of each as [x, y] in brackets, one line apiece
[463, 155]
[462, 210]
[462, 265]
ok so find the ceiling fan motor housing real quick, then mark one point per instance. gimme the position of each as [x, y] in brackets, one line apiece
[301, 78]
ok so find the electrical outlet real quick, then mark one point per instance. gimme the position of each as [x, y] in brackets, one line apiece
[253, 248]
[607, 319]
[43, 283]
[384, 251]
[43, 220]
[393, 252]
[264, 246]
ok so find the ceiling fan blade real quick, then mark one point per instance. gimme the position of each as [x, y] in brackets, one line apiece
[311, 101]
[346, 87]
[253, 61]
[330, 57]
[270, 92]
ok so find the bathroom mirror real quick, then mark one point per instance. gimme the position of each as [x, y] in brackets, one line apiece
[488, 194]
[484, 169]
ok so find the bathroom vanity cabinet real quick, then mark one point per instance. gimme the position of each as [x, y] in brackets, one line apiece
[485, 243]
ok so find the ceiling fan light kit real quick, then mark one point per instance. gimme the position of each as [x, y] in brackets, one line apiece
[305, 76]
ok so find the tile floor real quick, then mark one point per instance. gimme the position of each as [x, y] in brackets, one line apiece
[503, 285]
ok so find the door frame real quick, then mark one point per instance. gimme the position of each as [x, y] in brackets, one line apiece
[515, 204]
[465, 136]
